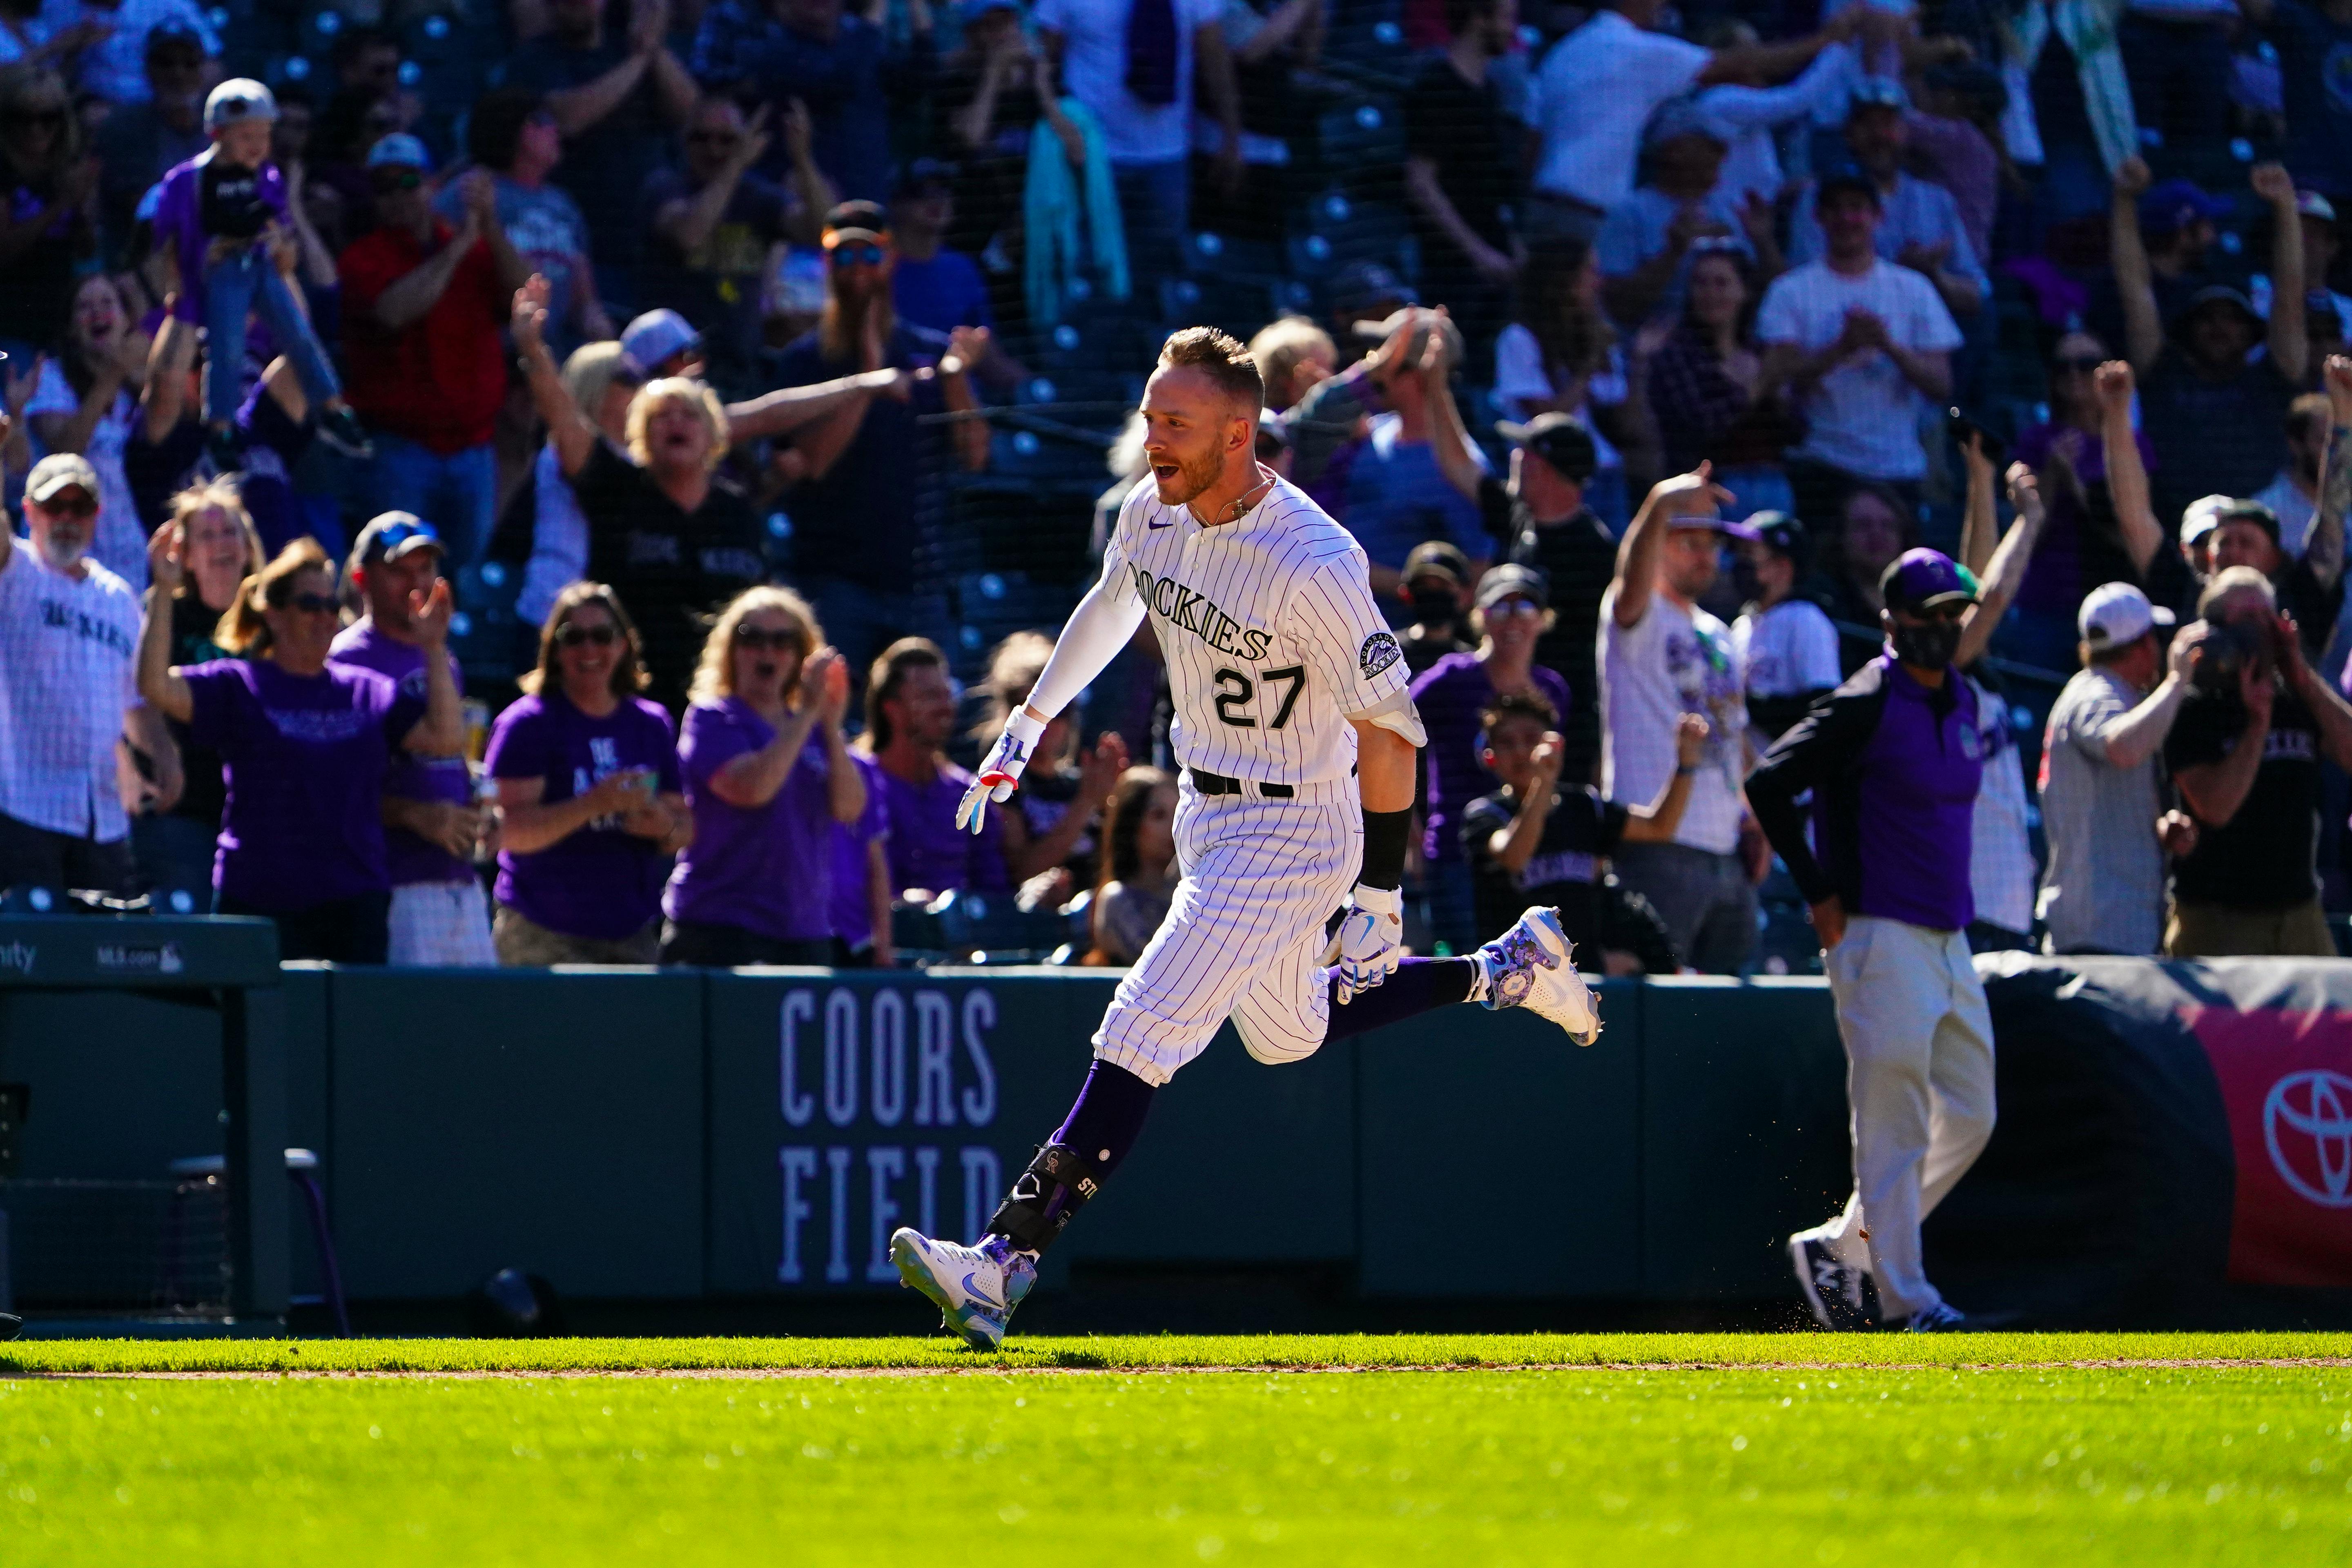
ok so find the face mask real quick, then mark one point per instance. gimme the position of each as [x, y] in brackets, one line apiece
[1929, 646]
[1436, 606]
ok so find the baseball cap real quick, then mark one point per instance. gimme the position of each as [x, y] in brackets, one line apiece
[1511, 580]
[2239, 510]
[1685, 116]
[1878, 92]
[1923, 579]
[60, 471]
[855, 221]
[1270, 427]
[1782, 535]
[399, 151]
[1847, 177]
[655, 336]
[172, 33]
[2200, 516]
[2312, 204]
[236, 100]
[919, 174]
[391, 535]
[1439, 556]
[1559, 440]
[2218, 293]
[2173, 205]
[1361, 284]
[2115, 613]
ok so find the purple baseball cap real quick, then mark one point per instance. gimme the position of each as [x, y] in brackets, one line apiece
[1923, 578]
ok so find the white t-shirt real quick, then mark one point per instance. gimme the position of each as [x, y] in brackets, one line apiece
[119, 542]
[1671, 662]
[1786, 651]
[1864, 415]
[2000, 851]
[2295, 511]
[1520, 381]
[559, 539]
[1094, 71]
[70, 648]
[1594, 93]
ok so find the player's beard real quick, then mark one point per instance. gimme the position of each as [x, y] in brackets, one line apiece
[1188, 480]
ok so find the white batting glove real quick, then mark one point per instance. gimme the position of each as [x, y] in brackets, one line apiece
[1370, 940]
[1002, 770]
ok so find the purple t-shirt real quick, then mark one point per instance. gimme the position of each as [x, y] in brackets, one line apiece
[305, 757]
[853, 907]
[601, 882]
[927, 849]
[767, 869]
[410, 777]
[1449, 695]
[179, 220]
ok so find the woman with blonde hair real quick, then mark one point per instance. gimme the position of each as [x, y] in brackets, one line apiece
[218, 548]
[592, 807]
[1294, 356]
[602, 384]
[755, 885]
[661, 521]
[305, 744]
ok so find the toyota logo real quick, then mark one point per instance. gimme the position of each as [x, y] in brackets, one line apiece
[2307, 1127]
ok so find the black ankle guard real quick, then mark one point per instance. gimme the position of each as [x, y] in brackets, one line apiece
[1056, 1185]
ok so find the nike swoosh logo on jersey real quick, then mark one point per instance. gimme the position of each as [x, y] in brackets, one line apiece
[1169, 524]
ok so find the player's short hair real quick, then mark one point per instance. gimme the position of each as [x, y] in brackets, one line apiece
[1517, 704]
[1220, 357]
[888, 673]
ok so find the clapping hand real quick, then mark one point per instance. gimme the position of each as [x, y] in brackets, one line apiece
[1098, 770]
[1691, 733]
[167, 567]
[530, 313]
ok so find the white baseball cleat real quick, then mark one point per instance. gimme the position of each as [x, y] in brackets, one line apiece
[1531, 966]
[976, 1286]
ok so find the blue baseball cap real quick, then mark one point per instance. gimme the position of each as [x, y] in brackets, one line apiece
[1923, 578]
[2168, 208]
[391, 535]
[399, 151]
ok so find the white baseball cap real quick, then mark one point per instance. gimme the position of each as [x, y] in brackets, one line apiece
[2117, 614]
[2202, 516]
[236, 100]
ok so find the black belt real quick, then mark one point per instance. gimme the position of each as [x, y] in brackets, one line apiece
[1218, 784]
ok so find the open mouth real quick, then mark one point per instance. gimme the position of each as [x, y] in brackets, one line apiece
[1164, 472]
[765, 670]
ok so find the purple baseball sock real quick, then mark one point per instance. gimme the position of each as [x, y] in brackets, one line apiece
[1107, 1118]
[1418, 986]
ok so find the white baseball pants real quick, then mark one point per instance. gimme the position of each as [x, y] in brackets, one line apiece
[1920, 1079]
[1244, 937]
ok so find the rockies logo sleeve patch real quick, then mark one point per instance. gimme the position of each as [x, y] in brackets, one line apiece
[1380, 650]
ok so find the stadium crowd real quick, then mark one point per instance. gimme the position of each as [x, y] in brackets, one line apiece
[574, 482]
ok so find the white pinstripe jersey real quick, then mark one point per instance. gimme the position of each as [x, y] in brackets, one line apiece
[1268, 629]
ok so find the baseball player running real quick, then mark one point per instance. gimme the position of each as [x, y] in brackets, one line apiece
[1297, 740]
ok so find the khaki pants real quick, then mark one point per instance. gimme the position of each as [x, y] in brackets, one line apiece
[2215, 931]
[524, 944]
[1919, 1077]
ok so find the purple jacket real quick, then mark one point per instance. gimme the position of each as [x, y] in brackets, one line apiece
[179, 223]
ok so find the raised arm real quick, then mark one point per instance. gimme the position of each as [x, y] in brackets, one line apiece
[442, 731]
[159, 684]
[2214, 792]
[409, 297]
[787, 408]
[568, 426]
[687, 221]
[2127, 254]
[1637, 553]
[751, 781]
[1655, 822]
[169, 358]
[2135, 737]
[2127, 490]
[2006, 573]
[2323, 552]
[1980, 524]
[2289, 337]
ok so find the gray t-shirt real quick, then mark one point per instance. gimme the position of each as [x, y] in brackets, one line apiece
[2104, 888]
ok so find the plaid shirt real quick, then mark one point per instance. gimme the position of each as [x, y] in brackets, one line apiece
[70, 649]
[1702, 413]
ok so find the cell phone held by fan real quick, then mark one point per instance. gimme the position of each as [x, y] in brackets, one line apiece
[1962, 427]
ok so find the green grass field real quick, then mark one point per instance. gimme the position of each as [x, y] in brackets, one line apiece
[1720, 1449]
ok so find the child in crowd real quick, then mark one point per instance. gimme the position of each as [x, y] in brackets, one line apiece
[223, 212]
[1536, 840]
